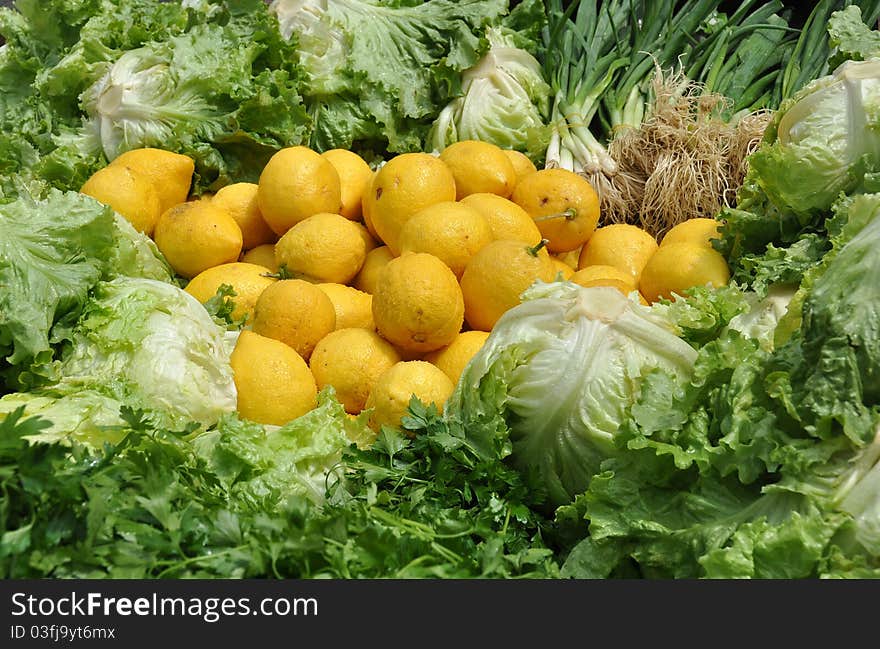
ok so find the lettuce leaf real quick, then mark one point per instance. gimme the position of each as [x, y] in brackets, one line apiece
[560, 369]
[140, 343]
[764, 464]
[378, 72]
[212, 80]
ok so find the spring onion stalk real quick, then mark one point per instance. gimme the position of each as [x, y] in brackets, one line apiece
[809, 57]
[585, 54]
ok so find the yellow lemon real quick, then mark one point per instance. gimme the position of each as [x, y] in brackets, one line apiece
[354, 178]
[453, 358]
[197, 235]
[247, 280]
[295, 183]
[624, 246]
[569, 258]
[451, 231]
[351, 360]
[479, 167]
[506, 219]
[389, 399]
[295, 312]
[170, 172]
[496, 276]
[262, 255]
[561, 268]
[563, 204]
[676, 267]
[324, 247]
[353, 308]
[522, 164]
[273, 382]
[400, 188]
[368, 275]
[129, 193]
[366, 208]
[417, 304]
[696, 230]
[240, 200]
[604, 275]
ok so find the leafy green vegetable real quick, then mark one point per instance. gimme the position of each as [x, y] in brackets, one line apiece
[54, 247]
[822, 142]
[505, 99]
[213, 80]
[560, 369]
[764, 465]
[142, 343]
[850, 38]
[237, 502]
[378, 73]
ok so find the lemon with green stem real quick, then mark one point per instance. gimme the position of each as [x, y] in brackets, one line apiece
[497, 275]
[563, 204]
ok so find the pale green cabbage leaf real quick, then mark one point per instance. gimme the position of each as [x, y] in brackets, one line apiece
[561, 368]
[140, 343]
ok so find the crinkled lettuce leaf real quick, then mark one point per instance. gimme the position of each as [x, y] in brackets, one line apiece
[140, 343]
[849, 38]
[212, 80]
[388, 66]
[764, 464]
[262, 466]
[54, 247]
[52, 251]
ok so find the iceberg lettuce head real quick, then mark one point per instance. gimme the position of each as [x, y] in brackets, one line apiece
[562, 368]
[824, 141]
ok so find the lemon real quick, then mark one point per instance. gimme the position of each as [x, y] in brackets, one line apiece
[262, 255]
[390, 396]
[295, 312]
[353, 308]
[129, 193]
[400, 188]
[247, 280]
[170, 172]
[676, 267]
[561, 268]
[368, 275]
[624, 246]
[324, 247]
[479, 167]
[507, 220]
[570, 257]
[696, 230]
[418, 304]
[563, 204]
[354, 178]
[273, 382]
[295, 183]
[522, 164]
[351, 360]
[366, 208]
[197, 235]
[453, 358]
[604, 275]
[240, 200]
[450, 230]
[496, 276]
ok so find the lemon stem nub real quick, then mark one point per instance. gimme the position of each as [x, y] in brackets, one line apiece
[568, 214]
[534, 250]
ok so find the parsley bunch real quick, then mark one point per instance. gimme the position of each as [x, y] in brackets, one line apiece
[434, 505]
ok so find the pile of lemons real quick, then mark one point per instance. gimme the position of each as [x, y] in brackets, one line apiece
[384, 281]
